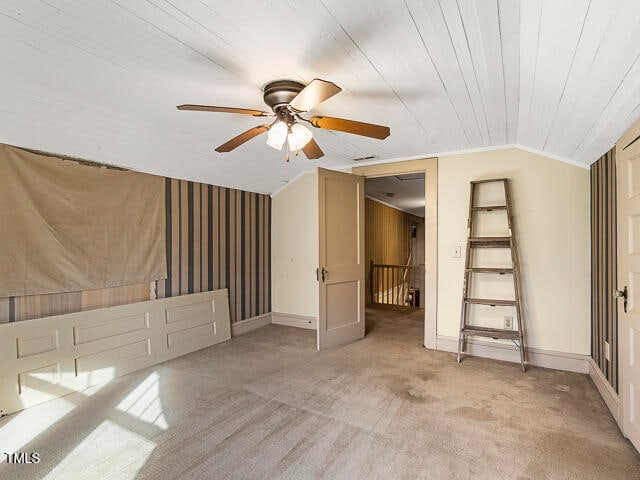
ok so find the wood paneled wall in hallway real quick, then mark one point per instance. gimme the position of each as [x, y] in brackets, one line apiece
[218, 238]
[387, 234]
[604, 307]
[215, 238]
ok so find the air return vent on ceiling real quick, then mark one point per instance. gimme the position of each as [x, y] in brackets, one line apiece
[360, 159]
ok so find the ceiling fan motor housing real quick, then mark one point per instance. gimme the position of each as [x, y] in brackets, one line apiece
[280, 93]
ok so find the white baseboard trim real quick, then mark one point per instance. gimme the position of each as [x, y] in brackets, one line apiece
[253, 323]
[290, 320]
[569, 362]
[607, 392]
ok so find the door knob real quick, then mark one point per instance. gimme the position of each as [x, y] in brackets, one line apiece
[324, 273]
[622, 294]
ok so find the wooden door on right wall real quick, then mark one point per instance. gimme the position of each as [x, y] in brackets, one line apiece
[628, 292]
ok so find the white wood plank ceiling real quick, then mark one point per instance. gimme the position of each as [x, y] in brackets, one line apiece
[100, 80]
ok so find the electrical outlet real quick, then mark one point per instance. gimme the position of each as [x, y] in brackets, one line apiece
[508, 323]
[457, 251]
[607, 351]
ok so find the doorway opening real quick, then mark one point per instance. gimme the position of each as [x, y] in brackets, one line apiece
[428, 168]
[395, 252]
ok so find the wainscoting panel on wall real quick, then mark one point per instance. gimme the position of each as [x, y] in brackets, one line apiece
[218, 238]
[604, 307]
[45, 358]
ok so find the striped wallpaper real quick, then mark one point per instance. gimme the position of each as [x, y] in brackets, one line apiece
[215, 238]
[604, 307]
[218, 238]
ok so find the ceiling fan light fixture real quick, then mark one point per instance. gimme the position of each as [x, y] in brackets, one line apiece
[298, 137]
[277, 135]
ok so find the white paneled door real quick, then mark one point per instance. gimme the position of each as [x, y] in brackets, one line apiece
[341, 271]
[628, 168]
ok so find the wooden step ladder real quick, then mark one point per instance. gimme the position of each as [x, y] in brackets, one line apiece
[475, 242]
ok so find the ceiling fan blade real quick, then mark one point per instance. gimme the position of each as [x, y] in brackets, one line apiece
[242, 138]
[312, 150]
[351, 126]
[211, 108]
[314, 94]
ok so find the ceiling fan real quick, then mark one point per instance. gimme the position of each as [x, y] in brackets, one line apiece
[288, 100]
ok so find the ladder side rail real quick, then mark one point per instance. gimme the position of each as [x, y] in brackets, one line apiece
[467, 275]
[519, 309]
[516, 277]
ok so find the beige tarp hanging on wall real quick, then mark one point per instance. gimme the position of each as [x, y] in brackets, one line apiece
[68, 227]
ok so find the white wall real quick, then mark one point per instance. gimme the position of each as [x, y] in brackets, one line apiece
[294, 247]
[551, 217]
[551, 210]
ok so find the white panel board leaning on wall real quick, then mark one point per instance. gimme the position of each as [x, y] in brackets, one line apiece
[45, 358]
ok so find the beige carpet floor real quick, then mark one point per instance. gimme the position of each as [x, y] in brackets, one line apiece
[266, 405]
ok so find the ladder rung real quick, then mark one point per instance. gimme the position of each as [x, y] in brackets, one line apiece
[490, 242]
[492, 180]
[492, 302]
[490, 332]
[500, 271]
[488, 208]
[489, 239]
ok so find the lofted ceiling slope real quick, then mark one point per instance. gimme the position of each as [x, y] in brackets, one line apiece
[100, 80]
